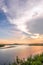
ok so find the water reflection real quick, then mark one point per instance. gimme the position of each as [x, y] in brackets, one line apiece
[9, 54]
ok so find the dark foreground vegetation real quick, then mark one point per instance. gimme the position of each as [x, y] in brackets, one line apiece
[36, 60]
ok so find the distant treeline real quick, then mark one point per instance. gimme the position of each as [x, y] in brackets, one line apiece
[35, 44]
[2, 45]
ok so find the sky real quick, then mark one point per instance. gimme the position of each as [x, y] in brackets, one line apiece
[21, 21]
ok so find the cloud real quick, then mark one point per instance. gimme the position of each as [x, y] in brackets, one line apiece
[16, 8]
[4, 22]
[5, 27]
[20, 11]
[22, 16]
[8, 30]
[36, 25]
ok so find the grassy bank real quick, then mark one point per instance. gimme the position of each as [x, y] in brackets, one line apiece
[36, 60]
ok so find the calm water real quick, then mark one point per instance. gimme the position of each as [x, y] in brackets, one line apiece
[9, 54]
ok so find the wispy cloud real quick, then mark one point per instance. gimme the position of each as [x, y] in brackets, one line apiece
[23, 17]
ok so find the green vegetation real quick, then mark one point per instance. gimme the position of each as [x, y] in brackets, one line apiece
[2, 45]
[36, 60]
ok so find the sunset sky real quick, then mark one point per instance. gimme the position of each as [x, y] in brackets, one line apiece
[21, 21]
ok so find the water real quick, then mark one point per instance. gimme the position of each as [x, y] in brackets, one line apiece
[8, 54]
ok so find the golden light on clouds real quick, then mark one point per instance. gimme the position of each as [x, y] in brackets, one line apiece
[23, 41]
